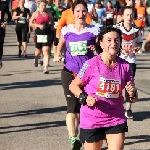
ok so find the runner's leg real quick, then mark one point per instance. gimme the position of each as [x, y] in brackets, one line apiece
[73, 110]
[19, 39]
[25, 31]
[45, 58]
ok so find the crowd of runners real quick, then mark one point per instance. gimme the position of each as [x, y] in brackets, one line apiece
[97, 43]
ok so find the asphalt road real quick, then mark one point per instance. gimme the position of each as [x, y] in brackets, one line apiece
[33, 107]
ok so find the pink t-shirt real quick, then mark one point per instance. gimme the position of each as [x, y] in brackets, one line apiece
[106, 84]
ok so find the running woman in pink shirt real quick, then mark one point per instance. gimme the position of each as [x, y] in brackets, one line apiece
[103, 78]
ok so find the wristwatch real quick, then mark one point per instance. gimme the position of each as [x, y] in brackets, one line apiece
[82, 98]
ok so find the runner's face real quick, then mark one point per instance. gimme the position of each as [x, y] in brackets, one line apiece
[57, 3]
[66, 2]
[109, 5]
[42, 6]
[110, 43]
[98, 5]
[128, 16]
[80, 13]
[21, 2]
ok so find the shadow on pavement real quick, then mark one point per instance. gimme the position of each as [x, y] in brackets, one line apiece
[139, 139]
[29, 84]
[143, 99]
[16, 58]
[35, 126]
[33, 112]
[8, 45]
[20, 72]
[52, 71]
[142, 67]
[140, 116]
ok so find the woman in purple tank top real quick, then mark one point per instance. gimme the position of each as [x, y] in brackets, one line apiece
[103, 78]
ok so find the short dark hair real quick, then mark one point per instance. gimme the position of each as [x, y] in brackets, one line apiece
[127, 7]
[77, 2]
[103, 31]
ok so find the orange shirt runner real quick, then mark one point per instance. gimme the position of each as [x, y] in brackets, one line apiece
[141, 14]
[15, 4]
[67, 17]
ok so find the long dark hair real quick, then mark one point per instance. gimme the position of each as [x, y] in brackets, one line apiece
[103, 31]
[110, 3]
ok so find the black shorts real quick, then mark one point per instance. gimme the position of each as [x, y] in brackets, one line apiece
[95, 135]
[22, 31]
[40, 45]
[73, 106]
[133, 68]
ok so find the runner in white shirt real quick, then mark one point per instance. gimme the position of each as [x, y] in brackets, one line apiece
[131, 43]
[32, 6]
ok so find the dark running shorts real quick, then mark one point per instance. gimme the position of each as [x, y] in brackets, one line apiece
[95, 135]
[40, 45]
[73, 106]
